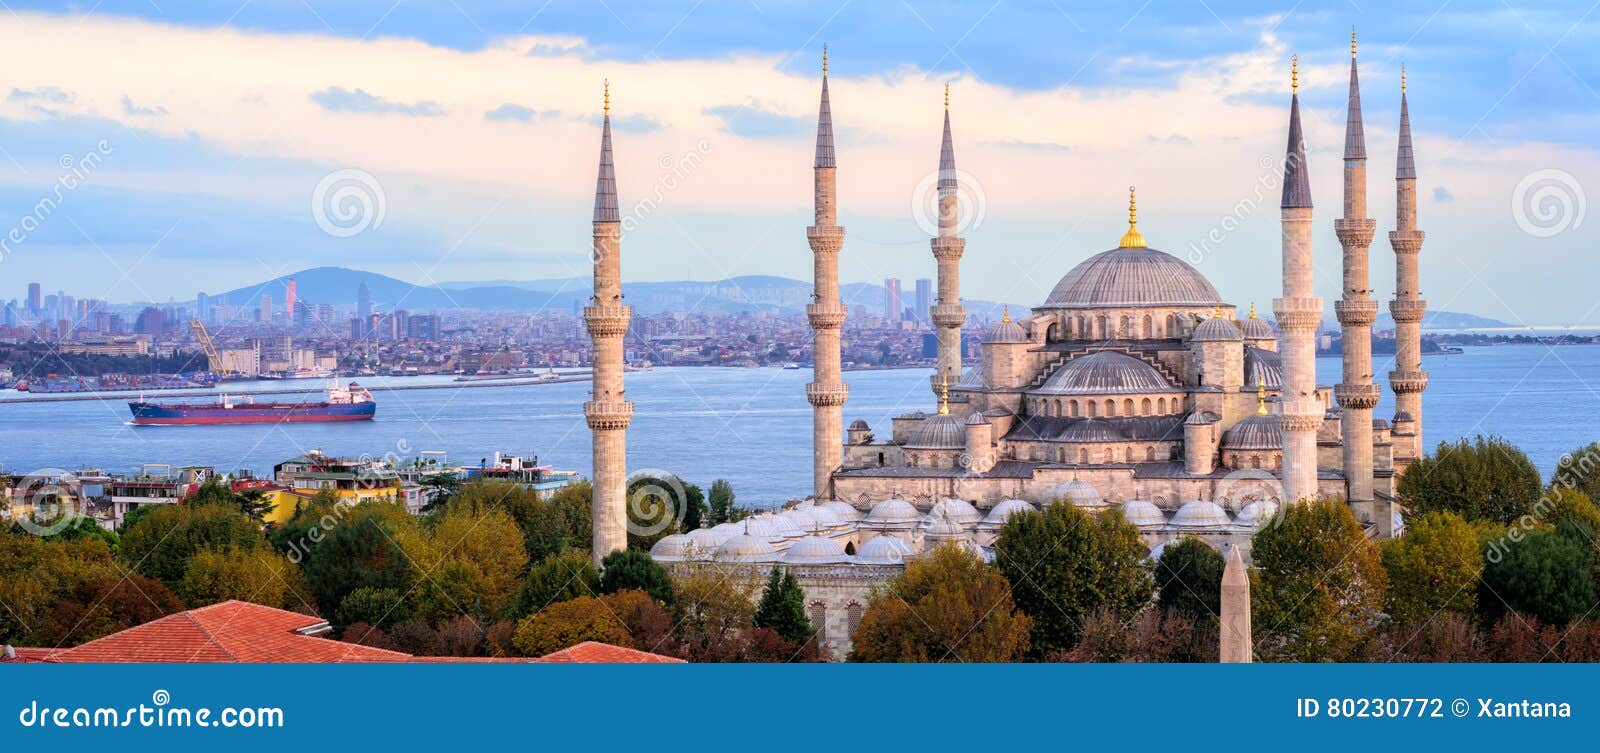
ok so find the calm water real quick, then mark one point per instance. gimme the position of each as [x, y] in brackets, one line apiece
[750, 426]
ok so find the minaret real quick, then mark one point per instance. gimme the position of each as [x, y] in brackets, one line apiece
[1298, 312]
[827, 390]
[1408, 380]
[608, 412]
[1356, 393]
[947, 313]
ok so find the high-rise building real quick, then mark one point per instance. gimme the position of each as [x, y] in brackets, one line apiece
[202, 306]
[891, 299]
[363, 302]
[289, 299]
[35, 303]
[924, 298]
[265, 313]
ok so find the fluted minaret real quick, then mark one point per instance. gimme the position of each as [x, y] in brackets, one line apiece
[827, 390]
[1299, 312]
[1408, 380]
[947, 313]
[608, 412]
[1356, 393]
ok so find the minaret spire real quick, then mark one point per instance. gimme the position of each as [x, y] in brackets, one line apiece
[1356, 393]
[947, 313]
[1298, 313]
[827, 391]
[1408, 380]
[608, 411]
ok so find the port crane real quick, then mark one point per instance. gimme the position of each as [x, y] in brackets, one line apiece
[213, 359]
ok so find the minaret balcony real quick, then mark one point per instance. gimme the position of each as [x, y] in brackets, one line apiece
[826, 315]
[1298, 314]
[1357, 395]
[948, 314]
[1406, 241]
[1408, 381]
[825, 238]
[608, 414]
[826, 394]
[607, 319]
[1408, 310]
[948, 247]
[1355, 232]
[1356, 312]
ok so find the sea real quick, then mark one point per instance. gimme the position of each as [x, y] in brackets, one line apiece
[751, 426]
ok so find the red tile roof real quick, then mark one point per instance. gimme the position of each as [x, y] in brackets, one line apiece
[594, 652]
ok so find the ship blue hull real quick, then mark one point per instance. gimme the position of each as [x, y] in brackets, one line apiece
[157, 414]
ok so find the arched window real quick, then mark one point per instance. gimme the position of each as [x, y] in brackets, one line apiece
[1255, 461]
[850, 548]
[1127, 406]
[1083, 456]
[1161, 405]
[1144, 407]
[1061, 455]
[819, 620]
[1073, 406]
[1150, 454]
[1127, 455]
[1146, 332]
[1111, 407]
[1172, 326]
[1091, 405]
[852, 617]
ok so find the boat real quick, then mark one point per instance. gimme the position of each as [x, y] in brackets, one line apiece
[343, 403]
[791, 366]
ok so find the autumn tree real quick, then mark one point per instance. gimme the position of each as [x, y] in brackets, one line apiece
[97, 608]
[375, 607]
[1483, 478]
[1432, 569]
[948, 606]
[569, 623]
[714, 614]
[163, 541]
[473, 561]
[37, 574]
[1319, 590]
[1063, 563]
[1580, 470]
[257, 575]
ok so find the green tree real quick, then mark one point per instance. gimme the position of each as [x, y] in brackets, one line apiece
[559, 577]
[549, 526]
[88, 528]
[783, 607]
[1432, 569]
[161, 543]
[1580, 470]
[569, 623]
[350, 547]
[946, 607]
[1319, 590]
[713, 613]
[1484, 478]
[1189, 580]
[256, 575]
[631, 569]
[377, 607]
[721, 502]
[439, 489]
[1064, 563]
[1547, 574]
[254, 503]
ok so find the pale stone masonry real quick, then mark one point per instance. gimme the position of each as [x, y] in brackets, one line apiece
[1356, 393]
[947, 313]
[1235, 637]
[827, 390]
[608, 411]
[1299, 311]
[1408, 380]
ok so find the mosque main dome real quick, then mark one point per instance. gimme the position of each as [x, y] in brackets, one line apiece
[1132, 277]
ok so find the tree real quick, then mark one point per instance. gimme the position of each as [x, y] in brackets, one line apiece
[256, 575]
[161, 543]
[722, 508]
[351, 547]
[97, 608]
[1432, 569]
[473, 560]
[659, 506]
[559, 577]
[88, 528]
[1189, 580]
[629, 568]
[1163, 636]
[549, 526]
[569, 623]
[254, 503]
[1319, 590]
[1547, 574]
[648, 624]
[946, 606]
[713, 614]
[37, 574]
[1580, 470]
[1485, 478]
[376, 607]
[1064, 563]
[438, 489]
[783, 607]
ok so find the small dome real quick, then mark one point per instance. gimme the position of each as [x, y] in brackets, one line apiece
[1078, 492]
[958, 510]
[1000, 513]
[939, 432]
[764, 525]
[826, 517]
[1142, 513]
[1217, 329]
[1401, 415]
[1255, 513]
[1200, 514]
[707, 539]
[843, 509]
[786, 526]
[1256, 329]
[998, 412]
[802, 518]
[1263, 368]
[1132, 277]
[943, 528]
[814, 550]
[859, 425]
[1201, 418]
[1006, 331]
[884, 550]
[1255, 432]
[1105, 372]
[977, 419]
[1380, 424]
[893, 511]
[746, 548]
[672, 547]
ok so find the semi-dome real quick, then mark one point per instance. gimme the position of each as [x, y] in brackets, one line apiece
[814, 550]
[1132, 277]
[893, 511]
[1091, 430]
[1105, 372]
[1142, 513]
[976, 419]
[1200, 513]
[1201, 418]
[1002, 512]
[1078, 492]
[1263, 368]
[1006, 331]
[746, 548]
[884, 550]
[939, 432]
[1257, 432]
[675, 546]
[826, 517]
[958, 510]
[1216, 329]
[1256, 329]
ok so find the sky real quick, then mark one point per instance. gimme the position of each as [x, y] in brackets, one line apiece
[152, 149]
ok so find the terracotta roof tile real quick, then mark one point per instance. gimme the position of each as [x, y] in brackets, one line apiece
[594, 652]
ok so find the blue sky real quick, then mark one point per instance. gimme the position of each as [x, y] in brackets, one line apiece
[477, 120]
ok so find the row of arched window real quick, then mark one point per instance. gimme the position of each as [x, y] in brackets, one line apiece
[1111, 454]
[1109, 407]
[1123, 327]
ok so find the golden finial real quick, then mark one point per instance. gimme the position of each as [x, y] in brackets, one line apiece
[1261, 400]
[1132, 238]
[1294, 74]
[944, 394]
[1005, 315]
[607, 84]
[824, 61]
[1216, 311]
[1352, 42]
[1252, 309]
[1402, 78]
[947, 95]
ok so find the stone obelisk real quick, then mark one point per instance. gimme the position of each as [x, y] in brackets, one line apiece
[1234, 634]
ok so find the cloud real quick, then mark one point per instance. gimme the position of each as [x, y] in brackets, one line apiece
[41, 94]
[752, 122]
[1441, 195]
[509, 111]
[340, 99]
[130, 108]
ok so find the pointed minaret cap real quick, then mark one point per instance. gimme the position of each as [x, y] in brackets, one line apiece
[1296, 179]
[1405, 166]
[605, 189]
[1132, 238]
[825, 121]
[947, 150]
[1355, 140]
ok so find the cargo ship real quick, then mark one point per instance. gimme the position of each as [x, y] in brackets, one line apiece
[343, 403]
